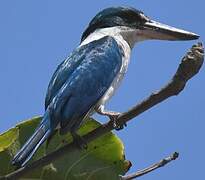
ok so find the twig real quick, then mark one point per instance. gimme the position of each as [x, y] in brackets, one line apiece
[153, 167]
[189, 66]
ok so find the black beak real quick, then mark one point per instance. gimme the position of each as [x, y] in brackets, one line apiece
[155, 30]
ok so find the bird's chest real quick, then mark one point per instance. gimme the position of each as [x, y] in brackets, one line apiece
[117, 80]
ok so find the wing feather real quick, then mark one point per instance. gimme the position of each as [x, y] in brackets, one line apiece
[82, 79]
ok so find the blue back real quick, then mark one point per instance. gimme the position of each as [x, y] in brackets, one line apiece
[81, 80]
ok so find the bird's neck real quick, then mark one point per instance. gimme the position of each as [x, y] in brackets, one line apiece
[124, 38]
[122, 35]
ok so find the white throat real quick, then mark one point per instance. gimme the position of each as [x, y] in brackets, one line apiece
[119, 33]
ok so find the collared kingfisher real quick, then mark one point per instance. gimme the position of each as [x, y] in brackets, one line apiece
[89, 76]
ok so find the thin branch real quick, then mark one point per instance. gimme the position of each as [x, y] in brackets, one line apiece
[189, 67]
[151, 168]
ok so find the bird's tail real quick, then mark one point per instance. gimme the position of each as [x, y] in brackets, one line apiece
[41, 133]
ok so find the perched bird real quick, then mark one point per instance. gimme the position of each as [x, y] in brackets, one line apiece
[85, 81]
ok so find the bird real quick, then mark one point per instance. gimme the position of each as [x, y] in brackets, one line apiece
[83, 83]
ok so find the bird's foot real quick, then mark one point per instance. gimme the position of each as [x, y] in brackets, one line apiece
[79, 141]
[113, 118]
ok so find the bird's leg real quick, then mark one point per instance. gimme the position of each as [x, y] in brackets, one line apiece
[112, 116]
[78, 140]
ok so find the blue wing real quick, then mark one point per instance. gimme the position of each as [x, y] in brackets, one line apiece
[76, 86]
[81, 80]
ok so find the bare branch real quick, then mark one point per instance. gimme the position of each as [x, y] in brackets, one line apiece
[153, 167]
[189, 67]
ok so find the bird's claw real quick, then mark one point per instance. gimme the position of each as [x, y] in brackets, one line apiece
[113, 118]
[120, 126]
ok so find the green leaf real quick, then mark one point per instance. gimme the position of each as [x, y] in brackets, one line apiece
[104, 159]
[12, 140]
[8, 146]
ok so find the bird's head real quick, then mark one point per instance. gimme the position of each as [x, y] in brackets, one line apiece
[135, 25]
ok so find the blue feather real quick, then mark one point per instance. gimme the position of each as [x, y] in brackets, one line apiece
[75, 88]
[41, 133]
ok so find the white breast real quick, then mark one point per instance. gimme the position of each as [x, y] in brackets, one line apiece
[116, 34]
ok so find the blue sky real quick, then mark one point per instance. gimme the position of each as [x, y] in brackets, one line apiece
[35, 36]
